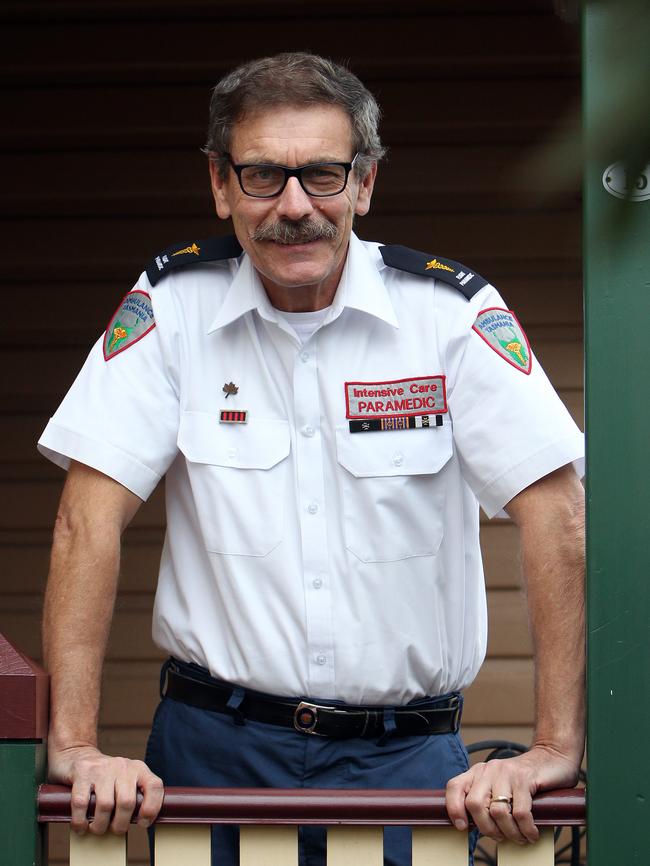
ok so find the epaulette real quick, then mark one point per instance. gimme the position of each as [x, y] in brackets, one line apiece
[208, 250]
[467, 282]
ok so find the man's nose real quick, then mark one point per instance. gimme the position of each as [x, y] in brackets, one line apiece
[294, 203]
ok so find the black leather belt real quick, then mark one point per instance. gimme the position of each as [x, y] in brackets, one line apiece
[338, 721]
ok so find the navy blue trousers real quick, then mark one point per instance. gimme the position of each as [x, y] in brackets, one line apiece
[195, 747]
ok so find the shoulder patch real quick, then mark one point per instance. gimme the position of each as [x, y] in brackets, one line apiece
[129, 323]
[502, 332]
[467, 282]
[208, 250]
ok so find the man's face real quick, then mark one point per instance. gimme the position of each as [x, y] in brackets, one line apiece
[301, 275]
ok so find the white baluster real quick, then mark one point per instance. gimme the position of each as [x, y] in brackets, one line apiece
[268, 846]
[540, 854]
[182, 845]
[89, 850]
[354, 846]
[434, 846]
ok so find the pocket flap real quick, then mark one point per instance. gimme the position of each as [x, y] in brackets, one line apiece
[421, 451]
[258, 444]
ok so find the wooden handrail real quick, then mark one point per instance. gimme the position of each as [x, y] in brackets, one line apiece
[314, 806]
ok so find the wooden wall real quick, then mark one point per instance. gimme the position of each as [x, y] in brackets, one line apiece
[105, 110]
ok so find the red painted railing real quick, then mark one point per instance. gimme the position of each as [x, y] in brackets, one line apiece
[315, 806]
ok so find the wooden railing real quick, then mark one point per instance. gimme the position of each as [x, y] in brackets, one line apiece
[268, 818]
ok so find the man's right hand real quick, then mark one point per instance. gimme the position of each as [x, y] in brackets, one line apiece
[115, 782]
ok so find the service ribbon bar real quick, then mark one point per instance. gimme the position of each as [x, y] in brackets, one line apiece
[406, 422]
[234, 417]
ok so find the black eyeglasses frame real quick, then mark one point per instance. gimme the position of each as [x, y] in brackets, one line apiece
[238, 168]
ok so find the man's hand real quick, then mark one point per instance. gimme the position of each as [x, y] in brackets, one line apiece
[520, 778]
[115, 782]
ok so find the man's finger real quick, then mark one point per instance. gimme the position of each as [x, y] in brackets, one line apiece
[153, 793]
[501, 814]
[104, 804]
[522, 813]
[79, 799]
[455, 800]
[477, 803]
[125, 800]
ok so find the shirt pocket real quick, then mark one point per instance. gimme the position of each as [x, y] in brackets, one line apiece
[238, 475]
[394, 488]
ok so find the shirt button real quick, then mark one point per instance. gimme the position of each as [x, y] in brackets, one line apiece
[308, 431]
[321, 659]
[398, 459]
[304, 356]
[317, 583]
[312, 508]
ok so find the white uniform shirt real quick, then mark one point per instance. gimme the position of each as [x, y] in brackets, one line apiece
[302, 558]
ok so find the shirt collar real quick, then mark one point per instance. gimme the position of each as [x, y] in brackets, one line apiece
[361, 287]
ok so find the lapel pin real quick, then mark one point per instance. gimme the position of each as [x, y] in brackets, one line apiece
[230, 388]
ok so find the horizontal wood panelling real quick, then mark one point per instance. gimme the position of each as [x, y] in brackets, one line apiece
[502, 694]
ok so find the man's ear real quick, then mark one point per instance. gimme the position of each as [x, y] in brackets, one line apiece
[219, 190]
[366, 187]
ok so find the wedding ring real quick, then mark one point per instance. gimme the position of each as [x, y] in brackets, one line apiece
[502, 798]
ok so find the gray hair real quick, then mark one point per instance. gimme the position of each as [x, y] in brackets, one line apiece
[293, 78]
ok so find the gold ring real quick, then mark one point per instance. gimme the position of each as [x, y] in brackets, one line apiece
[501, 798]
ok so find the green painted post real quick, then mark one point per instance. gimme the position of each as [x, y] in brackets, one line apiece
[617, 322]
[23, 731]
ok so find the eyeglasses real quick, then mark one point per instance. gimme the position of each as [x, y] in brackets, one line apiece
[268, 180]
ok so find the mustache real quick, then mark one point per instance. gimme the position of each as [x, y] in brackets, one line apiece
[295, 231]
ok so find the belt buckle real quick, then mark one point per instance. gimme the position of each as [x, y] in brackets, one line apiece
[305, 718]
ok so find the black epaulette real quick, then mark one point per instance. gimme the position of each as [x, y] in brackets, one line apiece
[208, 250]
[467, 282]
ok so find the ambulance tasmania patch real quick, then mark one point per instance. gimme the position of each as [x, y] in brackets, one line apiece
[424, 395]
[502, 332]
[130, 322]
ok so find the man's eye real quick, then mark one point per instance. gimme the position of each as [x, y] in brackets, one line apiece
[261, 174]
[323, 172]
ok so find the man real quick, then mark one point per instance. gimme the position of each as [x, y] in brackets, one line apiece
[328, 415]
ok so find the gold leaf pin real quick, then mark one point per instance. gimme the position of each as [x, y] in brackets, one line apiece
[193, 249]
[230, 388]
[434, 264]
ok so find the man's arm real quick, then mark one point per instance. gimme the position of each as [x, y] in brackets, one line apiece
[550, 516]
[82, 584]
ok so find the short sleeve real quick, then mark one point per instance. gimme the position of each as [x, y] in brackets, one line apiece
[510, 426]
[120, 416]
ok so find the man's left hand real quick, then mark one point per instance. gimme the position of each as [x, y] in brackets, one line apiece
[518, 779]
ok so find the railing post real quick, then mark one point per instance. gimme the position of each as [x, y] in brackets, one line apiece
[24, 689]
